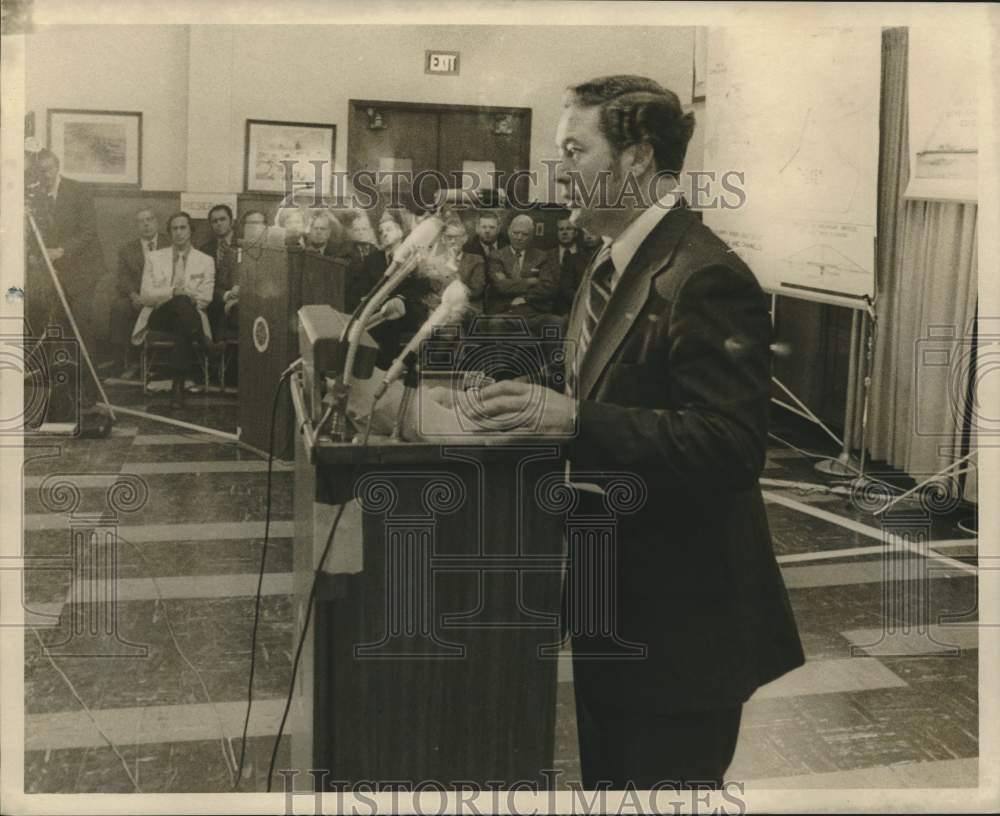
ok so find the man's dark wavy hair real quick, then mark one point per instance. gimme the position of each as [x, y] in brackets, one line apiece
[637, 109]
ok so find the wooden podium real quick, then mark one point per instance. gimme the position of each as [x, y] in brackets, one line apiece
[274, 284]
[432, 650]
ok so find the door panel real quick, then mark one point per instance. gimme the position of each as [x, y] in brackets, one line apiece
[473, 136]
[406, 134]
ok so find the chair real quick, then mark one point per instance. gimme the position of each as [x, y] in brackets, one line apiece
[153, 347]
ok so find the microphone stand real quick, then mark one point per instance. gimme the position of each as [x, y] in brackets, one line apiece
[69, 314]
[341, 390]
[411, 379]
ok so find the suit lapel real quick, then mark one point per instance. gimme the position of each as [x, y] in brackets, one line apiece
[629, 296]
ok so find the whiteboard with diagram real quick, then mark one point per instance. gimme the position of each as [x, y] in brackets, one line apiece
[797, 113]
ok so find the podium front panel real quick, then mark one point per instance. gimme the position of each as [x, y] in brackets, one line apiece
[433, 655]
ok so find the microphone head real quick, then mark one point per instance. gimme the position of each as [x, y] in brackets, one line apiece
[393, 309]
[421, 237]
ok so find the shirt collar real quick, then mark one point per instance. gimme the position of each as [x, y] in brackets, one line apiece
[624, 247]
[54, 192]
[185, 253]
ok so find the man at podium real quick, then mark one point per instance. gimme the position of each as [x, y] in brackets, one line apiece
[656, 393]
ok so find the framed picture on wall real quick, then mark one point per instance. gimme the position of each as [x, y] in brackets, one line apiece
[271, 147]
[97, 147]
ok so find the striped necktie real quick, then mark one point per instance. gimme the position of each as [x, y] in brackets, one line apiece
[598, 296]
[596, 300]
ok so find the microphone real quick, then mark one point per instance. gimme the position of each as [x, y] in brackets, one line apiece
[393, 309]
[404, 261]
[454, 300]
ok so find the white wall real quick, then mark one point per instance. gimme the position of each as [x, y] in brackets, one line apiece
[128, 68]
[309, 73]
[198, 85]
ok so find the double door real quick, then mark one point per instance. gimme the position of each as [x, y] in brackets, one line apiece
[491, 142]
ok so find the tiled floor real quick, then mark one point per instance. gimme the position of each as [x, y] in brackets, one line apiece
[888, 697]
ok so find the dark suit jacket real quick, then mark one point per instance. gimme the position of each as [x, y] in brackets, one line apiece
[226, 273]
[472, 271]
[72, 225]
[131, 261]
[664, 397]
[413, 290]
[570, 276]
[537, 282]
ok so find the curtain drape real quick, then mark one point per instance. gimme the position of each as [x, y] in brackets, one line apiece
[926, 303]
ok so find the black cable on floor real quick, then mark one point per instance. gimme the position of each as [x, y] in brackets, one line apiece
[260, 577]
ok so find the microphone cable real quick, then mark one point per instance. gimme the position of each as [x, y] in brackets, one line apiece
[308, 618]
[285, 377]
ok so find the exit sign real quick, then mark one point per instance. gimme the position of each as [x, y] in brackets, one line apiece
[441, 62]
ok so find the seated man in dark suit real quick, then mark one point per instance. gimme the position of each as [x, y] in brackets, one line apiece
[571, 261]
[413, 290]
[125, 308]
[487, 238]
[223, 311]
[522, 280]
[318, 238]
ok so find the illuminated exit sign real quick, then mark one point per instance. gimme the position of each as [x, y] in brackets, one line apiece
[441, 62]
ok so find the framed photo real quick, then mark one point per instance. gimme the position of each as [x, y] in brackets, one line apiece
[271, 145]
[97, 147]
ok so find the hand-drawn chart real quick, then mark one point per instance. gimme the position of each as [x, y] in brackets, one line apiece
[797, 113]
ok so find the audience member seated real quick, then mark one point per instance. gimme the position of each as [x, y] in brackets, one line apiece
[254, 226]
[487, 238]
[571, 262]
[126, 307]
[223, 313]
[522, 279]
[177, 288]
[390, 334]
[292, 220]
[365, 264]
[318, 238]
[470, 268]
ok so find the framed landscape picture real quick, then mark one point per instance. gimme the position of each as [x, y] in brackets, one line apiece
[271, 145]
[97, 147]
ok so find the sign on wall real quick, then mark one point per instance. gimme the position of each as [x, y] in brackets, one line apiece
[197, 205]
[441, 62]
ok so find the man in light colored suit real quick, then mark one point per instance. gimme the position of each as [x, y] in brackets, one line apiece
[177, 287]
[522, 280]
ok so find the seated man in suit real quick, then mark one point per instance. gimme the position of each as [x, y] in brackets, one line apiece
[470, 268]
[571, 262]
[318, 238]
[223, 313]
[522, 280]
[177, 287]
[126, 307]
[487, 238]
[413, 290]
